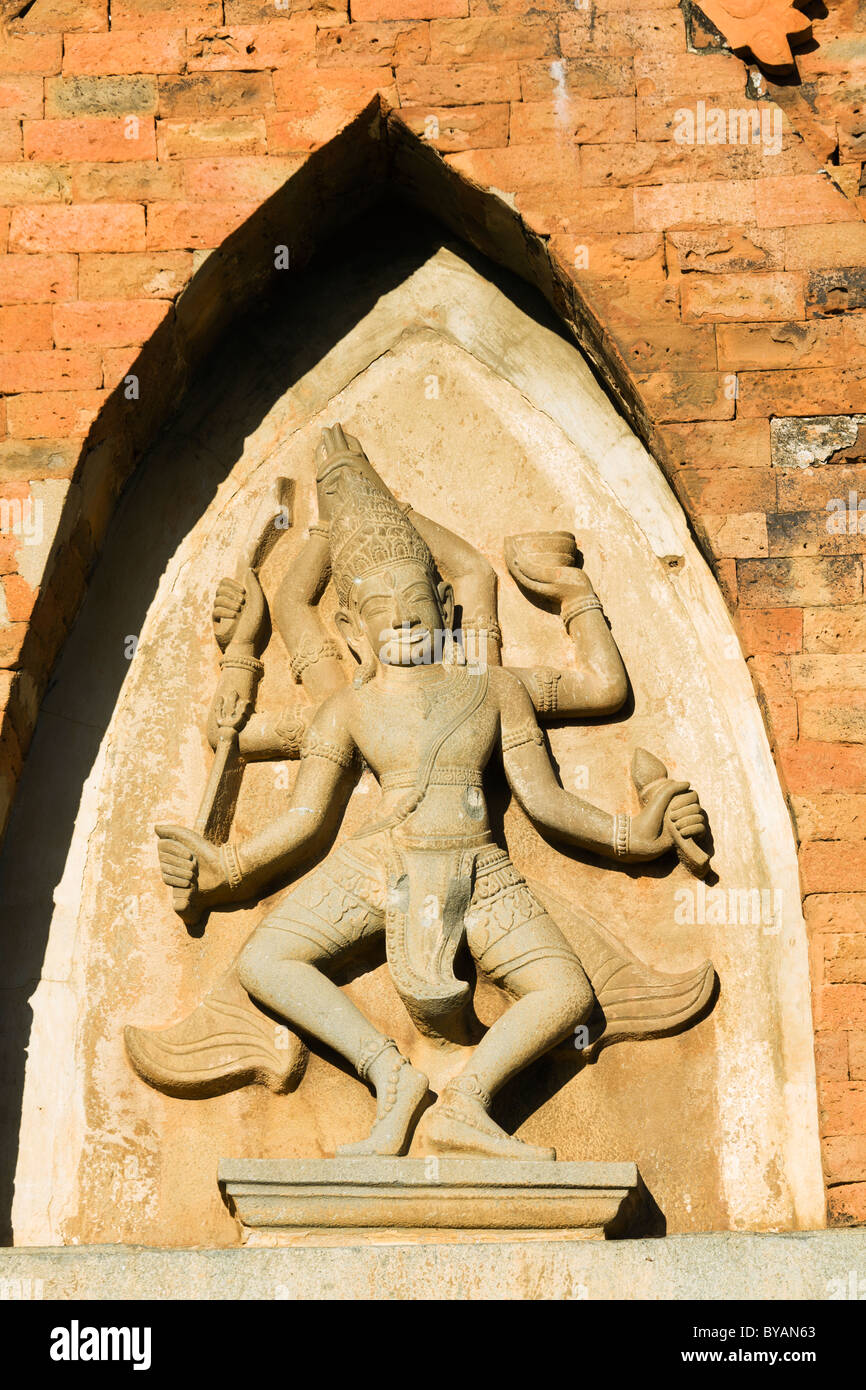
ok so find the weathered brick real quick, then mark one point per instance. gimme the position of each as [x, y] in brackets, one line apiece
[734, 444]
[722, 250]
[25, 326]
[641, 304]
[584, 119]
[843, 1106]
[693, 204]
[827, 491]
[107, 323]
[433, 85]
[683, 396]
[845, 1157]
[622, 34]
[771, 630]
[47, 414]
[20, 97]
[589, 76]
[34, 183]
[781, 345]
[814, 246]
[779, 583]
[236, 179]
[667, 347]
[828, 816]
[836, 912]
[243, 47]
[776, 296]
[836, 291]
[10, 140]
[831, 1059]
[45, 458]
[687, 74]
[138, 14]
[812, 391]
[857, 1056]
[846, 956]
[215, 94]
[375, 45]
[318, 109]
[20, 598]
[100, 96]
[846, 1204]
[190, 226]
[806, 533]
[12, 639]
[408, 9]
[90, 138]
[522, 166]
[125, 52]
[65, 16]
[636, 256]
[803, 199]
[40, 54]
[843, 721]
[459, 128]
[49, 371]
[96, 227]
[156, 275]
[567, 208]
[491, 39]
[735, 535]
[238, 135]
[37, 279]
[134, 181]
[828, 630]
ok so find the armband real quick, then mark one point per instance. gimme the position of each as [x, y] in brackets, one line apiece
[525, 733]
[621, 831]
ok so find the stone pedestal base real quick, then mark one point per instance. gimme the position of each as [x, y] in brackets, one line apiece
[427, 1200]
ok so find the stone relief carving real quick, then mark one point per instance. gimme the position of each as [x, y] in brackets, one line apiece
[425, 703]
[762, 27]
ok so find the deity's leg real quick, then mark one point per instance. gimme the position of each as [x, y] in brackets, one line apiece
[279, 967]
[533, 962]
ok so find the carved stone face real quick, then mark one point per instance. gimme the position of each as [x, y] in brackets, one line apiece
[402, 613]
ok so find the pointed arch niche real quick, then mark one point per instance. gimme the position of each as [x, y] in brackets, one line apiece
[476, 406]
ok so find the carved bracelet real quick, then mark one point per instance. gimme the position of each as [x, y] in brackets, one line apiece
[243, 663]
[578, 606]
[231, 865]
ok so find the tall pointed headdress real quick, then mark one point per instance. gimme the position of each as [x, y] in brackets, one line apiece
[369, 530]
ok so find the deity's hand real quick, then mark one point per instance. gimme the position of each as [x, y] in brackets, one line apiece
[239, 613]
[336, 445]
[191, 866]
[672, 804]
[545, 565]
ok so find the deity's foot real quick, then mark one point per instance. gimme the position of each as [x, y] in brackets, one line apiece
[459, 1124]
[398, 1107]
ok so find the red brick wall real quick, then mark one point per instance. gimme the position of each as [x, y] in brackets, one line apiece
[719, 286]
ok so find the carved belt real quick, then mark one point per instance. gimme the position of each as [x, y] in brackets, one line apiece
[439, 777]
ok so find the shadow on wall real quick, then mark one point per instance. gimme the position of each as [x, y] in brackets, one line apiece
[267, 351]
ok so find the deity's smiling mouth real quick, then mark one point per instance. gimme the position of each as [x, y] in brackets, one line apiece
[398, 644]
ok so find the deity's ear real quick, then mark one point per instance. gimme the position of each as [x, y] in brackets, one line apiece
[347, 628]
[446, 602]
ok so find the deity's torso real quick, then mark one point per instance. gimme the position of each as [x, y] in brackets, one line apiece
[434, 726]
